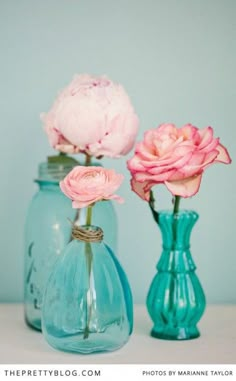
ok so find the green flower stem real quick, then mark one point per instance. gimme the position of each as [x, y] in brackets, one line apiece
[152, 207]
[89, 258]
[175, 220]
[87, 160]
[89, 215]
[176, 204]
[155, 214]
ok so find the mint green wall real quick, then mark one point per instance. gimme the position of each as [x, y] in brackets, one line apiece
[177, 60]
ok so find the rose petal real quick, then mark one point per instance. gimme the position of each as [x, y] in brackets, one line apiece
[185, 187]
[174, 157]
[223, 155]
[142, 189]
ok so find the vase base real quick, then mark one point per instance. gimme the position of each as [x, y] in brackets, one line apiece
[179, 333]
[95, 343]
[34, 324]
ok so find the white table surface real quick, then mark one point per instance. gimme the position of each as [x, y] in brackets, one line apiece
[217, 344]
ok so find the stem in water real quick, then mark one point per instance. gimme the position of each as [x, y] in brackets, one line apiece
[175, 220]
[89, 258]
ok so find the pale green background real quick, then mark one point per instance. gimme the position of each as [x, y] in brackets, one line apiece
[177, 61]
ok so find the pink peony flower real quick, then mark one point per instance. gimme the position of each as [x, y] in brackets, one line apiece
[87, 185]
[92, 115]
[174, 157]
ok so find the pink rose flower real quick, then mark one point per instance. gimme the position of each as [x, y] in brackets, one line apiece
[176, 158]
[87, 185]
[92, 115]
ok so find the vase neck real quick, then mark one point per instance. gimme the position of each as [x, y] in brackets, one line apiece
[47, 185]
[53, 172]
[87, 233]
[176, 229]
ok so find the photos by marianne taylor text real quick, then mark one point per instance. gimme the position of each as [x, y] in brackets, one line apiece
[188, 372]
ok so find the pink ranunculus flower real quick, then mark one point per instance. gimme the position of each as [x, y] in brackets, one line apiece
[175, 157]
[92, 115]
[87, 185]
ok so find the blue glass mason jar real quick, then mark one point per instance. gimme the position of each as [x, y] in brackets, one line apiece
[87, 305]
[48, 231]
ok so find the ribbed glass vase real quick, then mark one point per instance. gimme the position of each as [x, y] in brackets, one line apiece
[87, 305]
[48, 231]
[176, 300]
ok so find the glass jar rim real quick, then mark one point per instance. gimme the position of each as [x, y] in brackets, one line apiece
[53, 172]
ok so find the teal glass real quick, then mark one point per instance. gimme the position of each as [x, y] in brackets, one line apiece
[48, 231]
[176, 300]
[87, 306]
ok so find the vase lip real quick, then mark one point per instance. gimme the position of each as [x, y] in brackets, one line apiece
[56, 171]
[181, 212]
[53, 172]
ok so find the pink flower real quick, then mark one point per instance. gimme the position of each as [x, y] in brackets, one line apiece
[174, 157]
[87, 185]
[92, 115]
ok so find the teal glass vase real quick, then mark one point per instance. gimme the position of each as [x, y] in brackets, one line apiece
[47, 233]
[87, 306]
[176, 301]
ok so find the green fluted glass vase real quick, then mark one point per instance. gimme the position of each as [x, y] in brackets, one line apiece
[176, 300]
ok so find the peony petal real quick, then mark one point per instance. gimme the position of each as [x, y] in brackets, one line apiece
[67, 148]
[93, 115]
[120, 138]
[186, 187]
